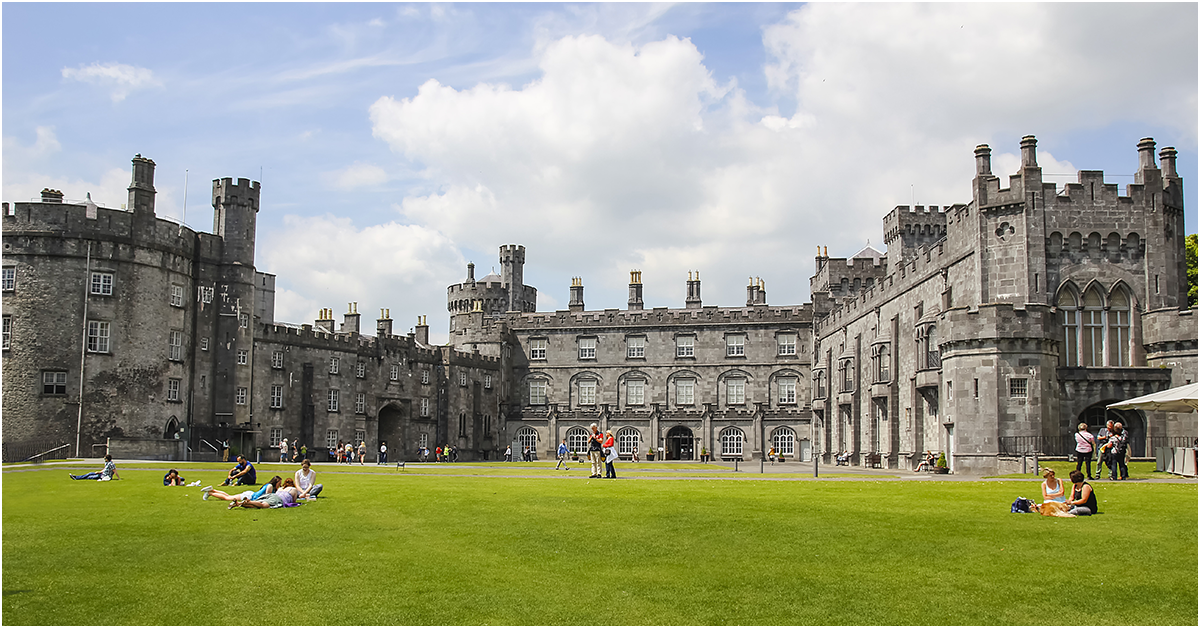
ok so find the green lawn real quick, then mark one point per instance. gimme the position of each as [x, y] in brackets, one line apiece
[389, 547]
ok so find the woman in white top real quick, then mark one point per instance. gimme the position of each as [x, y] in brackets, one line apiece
[306, 481]
[1052, 489]
[1085, 445]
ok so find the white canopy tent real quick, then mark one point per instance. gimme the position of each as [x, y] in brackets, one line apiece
[1181, 399]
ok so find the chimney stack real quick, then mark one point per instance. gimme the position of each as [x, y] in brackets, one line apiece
[635, 289]
[350, 318]
[51, 196]
[324, 320]
[383, 326]
[576, 303]
[1146, 154]
[471, 272]
[1167, 158]
[983, 161]
[693, 291]
[1028, 152]
[422, 330]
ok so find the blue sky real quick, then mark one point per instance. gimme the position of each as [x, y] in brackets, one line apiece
[397, 142]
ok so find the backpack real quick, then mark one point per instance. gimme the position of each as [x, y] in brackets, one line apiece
[1022, 505]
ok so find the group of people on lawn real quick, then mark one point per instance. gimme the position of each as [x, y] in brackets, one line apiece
[1079, 496]
[276, 493]
[1112, 445]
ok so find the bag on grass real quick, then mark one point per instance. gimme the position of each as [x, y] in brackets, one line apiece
[1022, 505]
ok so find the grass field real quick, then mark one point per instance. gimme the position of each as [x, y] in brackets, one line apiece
[492, 547]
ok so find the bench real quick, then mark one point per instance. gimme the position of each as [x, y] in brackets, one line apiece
[873, 461]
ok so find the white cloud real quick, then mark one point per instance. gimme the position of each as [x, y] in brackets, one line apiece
[120, 79]
[109, 190]
[357, 175]
[327, 261]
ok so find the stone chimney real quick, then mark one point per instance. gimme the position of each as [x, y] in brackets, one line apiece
[51, 196]
[576, 303]
[324, 320]
[983, 160]
[693, 291]
[141, 188]
[1167, 158]
[471, 272]
[635, 289]
[1146, 154]
[422, 331]
[1028, 152]
[350, 318]
[383, 326]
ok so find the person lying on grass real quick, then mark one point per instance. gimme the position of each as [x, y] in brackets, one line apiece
[108, 473]
[172, 479]
[285, 497]
[266, 489]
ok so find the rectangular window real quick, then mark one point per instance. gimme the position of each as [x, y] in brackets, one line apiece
[537, 349]
[360, 370]
[735, 391]
[735, 346]
[98, 337]
[462, 378]
[102, 283]
[331, 439]
[276, 396]
[685, 346]
[276, 435]
[335, 365]
[685, 392]
[243, 356]
[424, 440]
[333, 399]
[175, 345]
[587, 392]
[537, 392]
[635, 392]
[787, 344]
[276, 360]
[239, 396]
[587, 348]
[204, 294]
[54, 382]
[360, 436]
[7, 336]
[787, 390]
[8, 279]
[173, 389]
[635, 347]
[425, 376]
[1018, 387]
[360, 403]
[395, 372]
[176, 295]
[243, 320]
[487, 381]
[977, 388]
[424, 406]
[204, 343]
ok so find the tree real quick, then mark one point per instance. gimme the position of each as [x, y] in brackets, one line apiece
[1191, 269]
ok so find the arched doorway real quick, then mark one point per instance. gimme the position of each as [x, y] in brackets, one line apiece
[392, 421]
[172, 428]
[680, 444]
[1097, 415]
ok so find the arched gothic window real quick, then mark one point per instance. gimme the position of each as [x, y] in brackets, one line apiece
[731, 441]
[784, 441]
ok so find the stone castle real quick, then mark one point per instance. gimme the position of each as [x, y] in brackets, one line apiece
[987, 330]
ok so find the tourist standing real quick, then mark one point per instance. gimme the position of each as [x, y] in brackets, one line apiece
[595, 449]
[1103, 447]
[1085, 444]
[610, 455]
[362, 453]
[508, 454]
[382, 453]
[1118, 462]
[283, 450]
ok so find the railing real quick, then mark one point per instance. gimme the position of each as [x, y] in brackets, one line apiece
[210, 445]
[1170, 442]
[36, 449]
[1024, 445]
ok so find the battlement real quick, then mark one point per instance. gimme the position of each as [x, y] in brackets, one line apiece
[711, 315]
[928, 222]
[244, 188]
[512, 253]
[69, 220]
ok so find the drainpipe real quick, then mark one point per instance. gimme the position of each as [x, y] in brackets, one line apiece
[87, 278]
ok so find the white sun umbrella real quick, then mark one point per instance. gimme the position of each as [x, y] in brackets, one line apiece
[1181, 399]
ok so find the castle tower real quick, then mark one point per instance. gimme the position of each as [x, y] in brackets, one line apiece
[693, 291]
[512, 277]
[635, 290]
[235, 209]
[141, 189]
[1011, 228]
[576, 303]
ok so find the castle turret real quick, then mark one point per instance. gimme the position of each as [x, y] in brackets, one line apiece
[141, 189]
[512, 269]
[235, 209]
[635, 290]
[693, 291]
[576, 303]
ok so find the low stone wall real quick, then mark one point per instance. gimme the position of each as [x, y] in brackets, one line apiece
[147, 448]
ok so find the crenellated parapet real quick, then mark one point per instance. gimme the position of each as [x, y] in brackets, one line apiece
[908, 229]
[714, 315]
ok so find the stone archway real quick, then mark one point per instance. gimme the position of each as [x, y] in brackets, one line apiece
[172, 429]
[393, 424]
[680, 444]
[1096, 415]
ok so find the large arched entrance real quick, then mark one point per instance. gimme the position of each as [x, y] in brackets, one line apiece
[680, 444]
[1097, 415]
[392, 421]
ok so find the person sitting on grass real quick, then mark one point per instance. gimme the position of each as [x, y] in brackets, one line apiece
[306, 481]
[108, 473]
[267, 488]
[1083, 498]
[243, 473]
[1053, 490]
[172, 479]
[285, 497]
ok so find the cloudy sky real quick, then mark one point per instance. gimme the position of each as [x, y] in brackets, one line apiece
[397, 142]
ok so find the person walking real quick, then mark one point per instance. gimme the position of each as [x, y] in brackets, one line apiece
[508, 454]
[610, 455]
[1085, 444]
[283, 450]
[362, 453]
[562, 454]
[595, 449]
[1102, 447]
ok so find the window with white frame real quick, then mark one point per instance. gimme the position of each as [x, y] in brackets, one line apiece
[173, 389]
[735, 392]
[577, 439]
[1018, 387]
[424, 406]
[331, 439]
[735, 346]
[243, 356]
[360, 370]
[685, 346]
[635, 392]
[204, 294]
[276, 435]
[239, 395]
[787, 344]
[360, 436]
[54, 382]
[204, 343]
[334, 399]
[537, 348]
[175, 345]
[360, 403]
[424, 376]
[276, 396]
[98, 337]
[731, 441]
[784, 441]
[487, 381]
[787, 389]
[8, 279]
[243, 320]
[1069, 306]
[424, 440]
[176, 295]
[395, 372]
[6, 342]
[335, 366]
[635, 347]
[537, 392]
[587, 348]
[102, 284]
[628, 441]
[527, 437]
[587, 392]
[276, 360]
[685, 391]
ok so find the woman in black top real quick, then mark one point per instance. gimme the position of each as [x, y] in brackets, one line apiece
[1083, 498]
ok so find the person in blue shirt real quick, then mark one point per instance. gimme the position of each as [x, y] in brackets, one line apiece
[108, 473]
[562, 453]
[243, 473]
